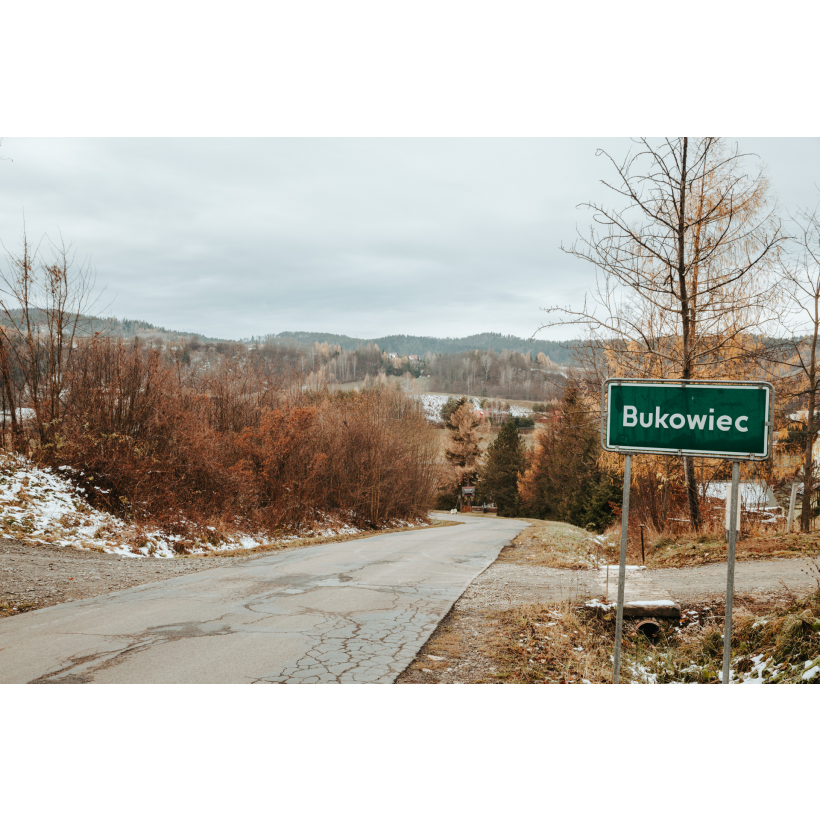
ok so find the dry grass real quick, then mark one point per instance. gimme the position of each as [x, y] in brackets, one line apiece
[780, 645]
[773, 641]
[688, 549]
[558, 643]
[552, 544]
[568, 644]
[554, 644]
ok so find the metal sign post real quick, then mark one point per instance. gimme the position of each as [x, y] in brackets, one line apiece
[792, 500]
[683, 417]
[619, 620]
[730, 572]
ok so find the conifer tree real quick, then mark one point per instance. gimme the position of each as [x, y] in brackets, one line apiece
[564, 481]
[499, 477]
[465, 439]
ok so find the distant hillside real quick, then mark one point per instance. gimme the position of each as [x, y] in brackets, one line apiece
[127, 328]
[559, 352]
[112, 326]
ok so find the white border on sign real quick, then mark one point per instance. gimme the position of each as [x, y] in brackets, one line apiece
[761, 456]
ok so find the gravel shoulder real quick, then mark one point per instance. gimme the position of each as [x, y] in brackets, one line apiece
[37, 576]
[461, 650]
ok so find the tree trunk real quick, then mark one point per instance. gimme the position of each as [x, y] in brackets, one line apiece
[686, 328]
[692, 491]
[16, 436]
[808, 460]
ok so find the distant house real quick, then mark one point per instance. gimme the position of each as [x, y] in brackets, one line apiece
[552, 415]
[754, 495]
[795, 458]
[392, 355]
[756, 499]
[413, 358]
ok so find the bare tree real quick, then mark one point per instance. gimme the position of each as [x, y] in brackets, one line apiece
[486, 363]
[684, 274]
[799, 353]
[42, 314]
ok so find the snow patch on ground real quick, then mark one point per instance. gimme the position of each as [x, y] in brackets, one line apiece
[628, 567]
[640, 674]
[763, 670]
[596, 604]
[44, 506]
[754, 675]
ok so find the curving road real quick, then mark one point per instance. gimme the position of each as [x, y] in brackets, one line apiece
[351, 612]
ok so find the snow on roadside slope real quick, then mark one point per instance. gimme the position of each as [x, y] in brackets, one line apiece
[39, 505]
[43, 506]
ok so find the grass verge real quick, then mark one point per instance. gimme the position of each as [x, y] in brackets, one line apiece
[695, 550]
[327, 539]
[551, 544]
[573, 645]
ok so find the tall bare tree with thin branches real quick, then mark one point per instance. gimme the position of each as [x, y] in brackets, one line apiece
[684, 273]
[43, 307]
[797, 356]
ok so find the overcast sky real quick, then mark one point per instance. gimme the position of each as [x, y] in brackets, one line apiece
[366, 237]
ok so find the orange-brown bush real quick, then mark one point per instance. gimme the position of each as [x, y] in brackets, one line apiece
[238, 442]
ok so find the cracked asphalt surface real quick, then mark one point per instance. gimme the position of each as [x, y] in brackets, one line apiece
[352, 612]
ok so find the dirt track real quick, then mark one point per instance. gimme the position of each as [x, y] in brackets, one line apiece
[506, 584]
[752, 578]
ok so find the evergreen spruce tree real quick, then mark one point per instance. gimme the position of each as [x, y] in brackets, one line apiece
[449, 407]
[499, 477]
[563, 481]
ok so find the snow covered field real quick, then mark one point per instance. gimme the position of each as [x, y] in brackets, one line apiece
[433, 402]
[45, 506]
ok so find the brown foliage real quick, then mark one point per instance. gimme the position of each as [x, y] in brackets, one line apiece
[237, 441]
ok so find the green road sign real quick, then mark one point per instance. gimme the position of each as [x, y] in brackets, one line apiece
[717, 419]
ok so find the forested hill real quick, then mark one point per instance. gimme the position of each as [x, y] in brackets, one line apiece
[559, 352]
[110, 326]
[127, 328]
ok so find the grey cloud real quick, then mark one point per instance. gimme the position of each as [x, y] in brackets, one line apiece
[366, 237]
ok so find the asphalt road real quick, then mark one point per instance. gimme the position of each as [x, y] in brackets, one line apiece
[351, 612]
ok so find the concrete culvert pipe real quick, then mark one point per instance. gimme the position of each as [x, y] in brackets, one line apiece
[649, 628]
